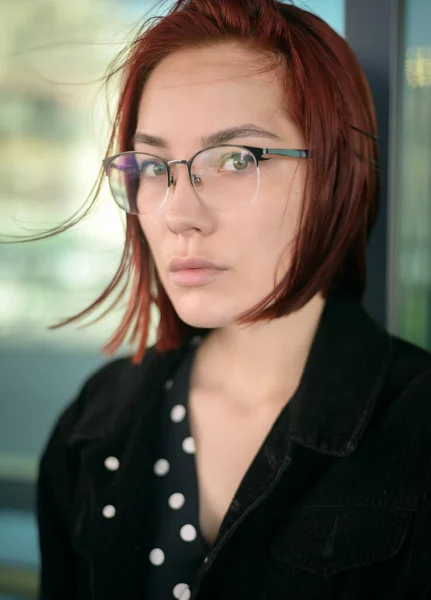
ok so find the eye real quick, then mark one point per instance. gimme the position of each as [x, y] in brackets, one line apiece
[152, 168]
[236, 161]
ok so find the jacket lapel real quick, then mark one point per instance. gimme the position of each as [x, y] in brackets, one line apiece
[113, 505]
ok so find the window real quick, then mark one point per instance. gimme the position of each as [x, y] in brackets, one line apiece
[331, 11]
[410, 286]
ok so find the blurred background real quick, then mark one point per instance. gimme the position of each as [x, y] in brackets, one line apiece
[53, 132]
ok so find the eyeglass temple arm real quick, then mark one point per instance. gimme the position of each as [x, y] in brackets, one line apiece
[282, 152]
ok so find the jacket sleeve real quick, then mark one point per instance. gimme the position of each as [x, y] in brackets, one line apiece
[61, 568]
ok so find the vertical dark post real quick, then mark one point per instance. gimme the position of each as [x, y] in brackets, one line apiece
[372, 30]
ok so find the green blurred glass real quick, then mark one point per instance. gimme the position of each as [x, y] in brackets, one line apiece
[410, 293]
[53, 130]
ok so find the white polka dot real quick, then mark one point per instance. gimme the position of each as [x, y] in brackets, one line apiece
[157, 557]
[186, 595]
[206, 559]
[188, 533]
[161, 467]
[176, 501]
[109, 511]
[112, 463]
[179, 590]
[178, 413]
[196, 340]
[169, 384]
[189, 445]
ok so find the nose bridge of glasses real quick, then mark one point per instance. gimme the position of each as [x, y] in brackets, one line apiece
[173, 179]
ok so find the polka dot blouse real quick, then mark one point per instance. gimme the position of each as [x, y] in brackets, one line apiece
[178, 548]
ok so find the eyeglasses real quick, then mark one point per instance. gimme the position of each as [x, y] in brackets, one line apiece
[224, 177]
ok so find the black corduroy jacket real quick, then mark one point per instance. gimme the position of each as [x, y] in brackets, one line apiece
[338, 509]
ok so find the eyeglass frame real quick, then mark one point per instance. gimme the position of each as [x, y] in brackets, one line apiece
[258, 153]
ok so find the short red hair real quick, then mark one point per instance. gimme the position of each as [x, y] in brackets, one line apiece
[328, 98]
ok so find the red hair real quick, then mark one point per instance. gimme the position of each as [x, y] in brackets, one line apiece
[328, 98]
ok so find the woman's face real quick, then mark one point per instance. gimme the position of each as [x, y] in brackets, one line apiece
[191, 95]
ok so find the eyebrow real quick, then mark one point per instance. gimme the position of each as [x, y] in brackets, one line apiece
[220, 137]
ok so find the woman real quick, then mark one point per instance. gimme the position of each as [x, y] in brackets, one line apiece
[275, 443]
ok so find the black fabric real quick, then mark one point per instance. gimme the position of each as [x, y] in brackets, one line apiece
[336, 504]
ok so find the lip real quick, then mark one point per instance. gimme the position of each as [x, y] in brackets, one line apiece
[192, 262]
[194, 271]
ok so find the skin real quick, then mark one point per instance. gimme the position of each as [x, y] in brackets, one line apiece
[195, 93]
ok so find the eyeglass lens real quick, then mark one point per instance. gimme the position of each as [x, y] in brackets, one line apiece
[224, 178]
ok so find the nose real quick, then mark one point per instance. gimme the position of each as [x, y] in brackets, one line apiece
[184, 212]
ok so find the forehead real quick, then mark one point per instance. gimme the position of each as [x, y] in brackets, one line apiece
[224, 80]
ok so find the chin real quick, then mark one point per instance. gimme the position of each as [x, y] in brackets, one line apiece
[203, 320]
[204, 316]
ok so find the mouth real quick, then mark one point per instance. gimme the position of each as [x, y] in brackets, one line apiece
[194, 272]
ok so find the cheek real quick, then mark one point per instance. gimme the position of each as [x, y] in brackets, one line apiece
[271, 222]
[265, 233]
[153, 233]
[282, 187]
[286, 198]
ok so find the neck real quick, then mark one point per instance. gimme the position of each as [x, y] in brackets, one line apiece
[260, 362]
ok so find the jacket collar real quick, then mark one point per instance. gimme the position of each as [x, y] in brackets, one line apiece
[343, 376]
[329, 411]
